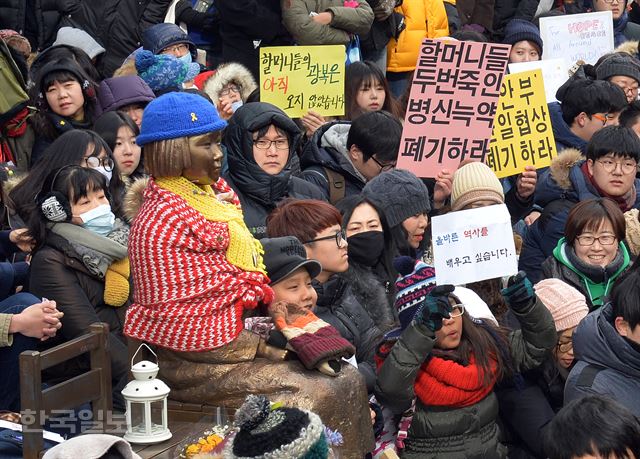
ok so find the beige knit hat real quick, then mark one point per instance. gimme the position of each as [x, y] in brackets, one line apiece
[475, 182]
[567, 305]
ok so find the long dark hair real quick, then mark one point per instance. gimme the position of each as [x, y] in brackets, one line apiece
[485, 342]
[366, 73]
[73, 183]
[107, 127]
[68, 149]
[347, 206]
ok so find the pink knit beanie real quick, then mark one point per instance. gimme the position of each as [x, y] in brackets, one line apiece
[567, 305]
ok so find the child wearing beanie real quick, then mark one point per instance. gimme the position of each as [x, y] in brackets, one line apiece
[475, 185]
[524, 38]
[529, 408]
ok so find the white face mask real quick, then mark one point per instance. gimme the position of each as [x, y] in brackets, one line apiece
[100, 220]
[107, 174]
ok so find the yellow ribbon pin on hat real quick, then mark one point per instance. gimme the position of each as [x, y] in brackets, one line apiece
[194, 118]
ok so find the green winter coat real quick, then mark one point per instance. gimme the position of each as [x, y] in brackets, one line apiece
[346, 21]
[457, 433]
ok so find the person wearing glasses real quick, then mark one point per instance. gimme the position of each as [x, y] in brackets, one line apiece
[606, 345]
[609, 171]
[318, 225]
[166, 38]
[76, 147]
[622, 70]
[342, 157]
[260, 143]
[623, 29]
[449, 364]
[229, 87]
[585, 107]
[592, 254]
[527, 409]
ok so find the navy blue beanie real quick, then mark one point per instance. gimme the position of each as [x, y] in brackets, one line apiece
[520, 30]
[178, 114]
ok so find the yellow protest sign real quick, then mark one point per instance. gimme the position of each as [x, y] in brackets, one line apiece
[302, 78]
[522, 134]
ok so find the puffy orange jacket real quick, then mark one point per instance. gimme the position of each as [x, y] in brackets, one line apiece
[424, 19]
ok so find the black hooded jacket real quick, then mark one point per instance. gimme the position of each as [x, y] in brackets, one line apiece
[258, 191]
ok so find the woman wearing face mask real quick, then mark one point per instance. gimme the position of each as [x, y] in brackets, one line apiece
[591, 255]
[404, 201]
[229, 87]
[120, 132]
[76, 147]
[371, 273]
[80, 261]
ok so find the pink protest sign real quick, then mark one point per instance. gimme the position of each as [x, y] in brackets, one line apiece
[453, 99]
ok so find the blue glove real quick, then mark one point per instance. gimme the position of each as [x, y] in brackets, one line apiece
[435, 307]
[519, 292]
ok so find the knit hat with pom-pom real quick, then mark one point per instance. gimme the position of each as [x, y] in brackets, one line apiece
[276, 433]
[416, 281]
[163, 71]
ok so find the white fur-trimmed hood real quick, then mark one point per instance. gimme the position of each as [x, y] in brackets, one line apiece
[227, 73]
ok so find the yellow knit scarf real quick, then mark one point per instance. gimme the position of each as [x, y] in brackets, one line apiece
[244, 251]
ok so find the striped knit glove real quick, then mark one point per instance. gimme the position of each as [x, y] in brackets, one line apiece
[317, 344]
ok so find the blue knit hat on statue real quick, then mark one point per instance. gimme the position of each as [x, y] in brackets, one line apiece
[178, 114]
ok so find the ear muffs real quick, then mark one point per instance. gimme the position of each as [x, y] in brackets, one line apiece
[55, 207]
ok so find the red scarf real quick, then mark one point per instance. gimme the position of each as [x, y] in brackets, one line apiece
[443, 382]
[622, 201]
[15, 127]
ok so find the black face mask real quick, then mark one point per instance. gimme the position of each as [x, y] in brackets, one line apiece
[366, 248]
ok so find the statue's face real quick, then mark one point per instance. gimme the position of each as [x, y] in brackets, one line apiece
[206, 159]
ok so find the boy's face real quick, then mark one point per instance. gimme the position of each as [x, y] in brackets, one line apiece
[616, 7]
[614, 175]
[296, 289]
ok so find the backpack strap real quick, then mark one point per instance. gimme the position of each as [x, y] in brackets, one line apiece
[337, 189]
[588, 375]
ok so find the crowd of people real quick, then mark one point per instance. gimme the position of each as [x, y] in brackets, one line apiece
[145, 185]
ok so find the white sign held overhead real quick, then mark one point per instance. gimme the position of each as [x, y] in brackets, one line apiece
[555, 72]
[577, 37]
[473, 245]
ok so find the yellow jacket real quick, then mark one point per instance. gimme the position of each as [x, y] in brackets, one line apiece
[424, 19]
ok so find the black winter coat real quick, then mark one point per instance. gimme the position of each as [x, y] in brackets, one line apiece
[315, 158]
[258, 191]
[338, 306]
[247, 25]
[37, 20]
[118, 25]
[58, 273]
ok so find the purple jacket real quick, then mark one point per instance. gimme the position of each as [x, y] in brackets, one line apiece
[117, 92]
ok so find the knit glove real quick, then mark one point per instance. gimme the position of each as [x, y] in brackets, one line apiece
[317, 344]
[435, 307]
[519, 292]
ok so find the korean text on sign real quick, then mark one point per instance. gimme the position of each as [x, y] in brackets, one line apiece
[302, 78]
[473, 245]
[576, 37]
[522, 134]
[452, 103]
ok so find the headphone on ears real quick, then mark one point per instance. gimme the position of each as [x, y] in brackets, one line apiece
[54, 205]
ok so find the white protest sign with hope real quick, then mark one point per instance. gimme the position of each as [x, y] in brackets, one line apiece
[473, 245]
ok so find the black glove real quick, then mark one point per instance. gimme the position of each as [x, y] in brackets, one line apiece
[435, 307]
[519, 292]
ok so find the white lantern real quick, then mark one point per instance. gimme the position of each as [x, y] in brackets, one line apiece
[146, 399]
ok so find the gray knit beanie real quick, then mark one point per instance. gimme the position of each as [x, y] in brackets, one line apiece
[618, 64]
[400, 195]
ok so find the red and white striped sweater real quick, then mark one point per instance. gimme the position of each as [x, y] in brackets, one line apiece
[187, 295]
